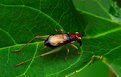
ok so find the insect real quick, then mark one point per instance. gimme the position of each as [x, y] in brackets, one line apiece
[56, 40]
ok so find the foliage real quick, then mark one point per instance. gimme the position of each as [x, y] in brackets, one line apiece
[97, 20]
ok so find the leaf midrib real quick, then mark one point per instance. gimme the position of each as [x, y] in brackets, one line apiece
[18, 45]
[103, 34]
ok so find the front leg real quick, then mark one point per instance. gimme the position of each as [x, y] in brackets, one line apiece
[74, 46]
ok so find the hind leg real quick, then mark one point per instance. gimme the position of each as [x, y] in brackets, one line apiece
[36, 37]
[67, 52]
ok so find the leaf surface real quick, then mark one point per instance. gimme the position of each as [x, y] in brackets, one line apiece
[103, 31]
[21, 20]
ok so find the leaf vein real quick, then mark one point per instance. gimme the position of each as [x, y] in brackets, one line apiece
[30, 61]
[67, 67]
[103, 8]
[32, 8]
[8, 35]
[103, 34]
[113, 49]
[19, 45]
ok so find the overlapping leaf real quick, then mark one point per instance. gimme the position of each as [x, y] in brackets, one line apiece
[103, 31]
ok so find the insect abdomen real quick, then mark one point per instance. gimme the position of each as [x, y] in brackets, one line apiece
[57, 40]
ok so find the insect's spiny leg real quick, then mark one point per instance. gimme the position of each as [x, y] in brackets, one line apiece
[74, 46]
[15, 51]
[67, 52]
[21, 63]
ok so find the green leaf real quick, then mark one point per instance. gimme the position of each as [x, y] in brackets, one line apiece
[102, 31]
[113, 60]
[96, 8]
[21, 20]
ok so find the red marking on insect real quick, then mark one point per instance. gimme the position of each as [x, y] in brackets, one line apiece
[75, 36]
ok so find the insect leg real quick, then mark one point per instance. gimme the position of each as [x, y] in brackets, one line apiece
[67, 53]
[52, 51]
[74, 46]
[15, 51]
[21, 63]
